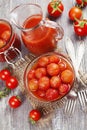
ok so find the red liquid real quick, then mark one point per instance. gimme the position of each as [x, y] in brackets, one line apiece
[7, 39]
[41, 39]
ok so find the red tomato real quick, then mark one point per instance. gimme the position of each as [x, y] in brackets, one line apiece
[41, 93]
[44, 83]
[62, 65]
[67, 76]
[85, 2]
[11, 82]
[43, 61]
[53, 59]
[2, 43]
[53, 69]
[14, 102]
[33, 84]
[75, 13]
[79, 2]
[80, 28]
[52, 94]
[40, 72]
[6, 35]
[64, 88]
[82, 3]
[4, 74]
[55, 81]
[35, 115]
[31, 74]
[55, 8]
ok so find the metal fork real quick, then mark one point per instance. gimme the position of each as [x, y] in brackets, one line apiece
[70, 104]
[76, 60]
[82, 93]
[71, 100]
[83, 99]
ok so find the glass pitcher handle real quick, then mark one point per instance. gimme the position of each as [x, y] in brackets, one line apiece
[52, 24]
[8, 58]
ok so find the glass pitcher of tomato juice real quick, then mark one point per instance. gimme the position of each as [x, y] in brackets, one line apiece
[38, 35]
[9, 42]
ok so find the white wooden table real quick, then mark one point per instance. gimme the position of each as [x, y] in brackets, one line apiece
[17, 119]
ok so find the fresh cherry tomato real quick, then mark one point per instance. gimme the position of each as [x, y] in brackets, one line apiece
[80, 27]
[4, 74]
[40, 72]
[55, 8]
[34, 115]
[43, 61]
[52, 94]
[55, 81]
[53, 69]
[82, 3]
[33, 84]
[11, 82]
[67, 76]
[75, 13]
[14, 101]
[44, 83]
[64, 88]
[2, 43]
[85, 2]
[53, 59]
[31, 74]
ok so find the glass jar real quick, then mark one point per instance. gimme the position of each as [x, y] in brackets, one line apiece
[48, 84]
[9, 42]
[39, 35]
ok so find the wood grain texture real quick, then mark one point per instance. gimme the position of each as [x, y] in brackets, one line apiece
[18, 119]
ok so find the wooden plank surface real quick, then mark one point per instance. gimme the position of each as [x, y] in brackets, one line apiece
[18, 119]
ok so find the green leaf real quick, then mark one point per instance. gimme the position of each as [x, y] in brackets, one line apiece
[4, 93]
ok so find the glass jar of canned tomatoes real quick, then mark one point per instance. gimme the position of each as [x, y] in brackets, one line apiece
[9, 42]
[49, 77]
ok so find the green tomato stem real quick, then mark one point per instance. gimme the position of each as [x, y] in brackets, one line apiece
[32, 121]
[54, 5]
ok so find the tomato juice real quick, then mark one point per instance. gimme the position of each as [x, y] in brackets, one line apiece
[8, 39]
[38, 38]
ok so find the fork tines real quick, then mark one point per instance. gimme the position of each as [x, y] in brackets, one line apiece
[70, 106]
[82, 96]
